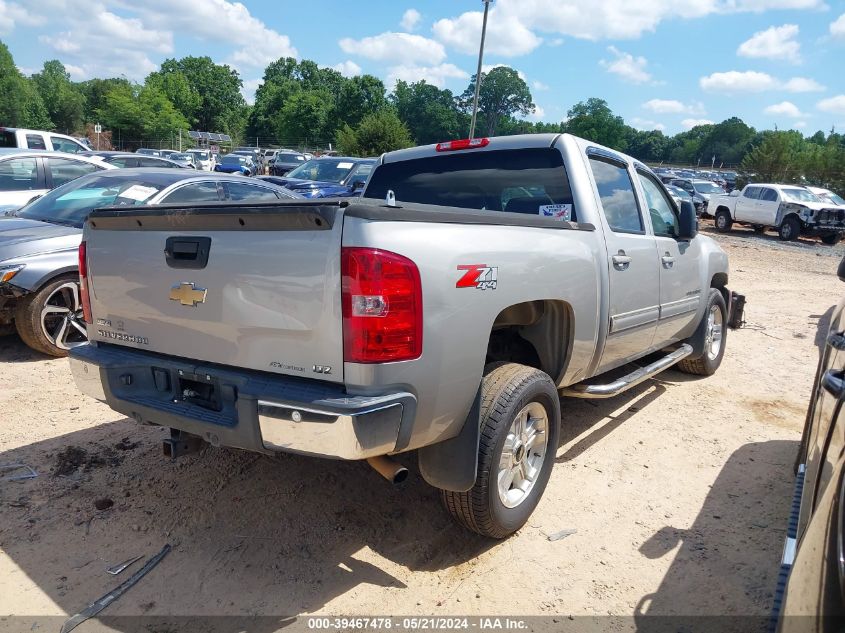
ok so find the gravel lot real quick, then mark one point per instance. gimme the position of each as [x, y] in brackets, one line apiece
[678, 490]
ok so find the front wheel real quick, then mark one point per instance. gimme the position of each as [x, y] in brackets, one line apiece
[50, 320]
[708, 342]
[789, 229]
[831, 239]
[520, 426]
[723, 221]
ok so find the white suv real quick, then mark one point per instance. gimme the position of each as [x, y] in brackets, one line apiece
[37, 139]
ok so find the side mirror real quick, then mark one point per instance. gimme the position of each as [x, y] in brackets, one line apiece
[841, 271]
[735, 193]
[358, 185]
[688, 225]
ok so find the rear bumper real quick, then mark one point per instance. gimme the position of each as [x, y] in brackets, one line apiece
[255, 411]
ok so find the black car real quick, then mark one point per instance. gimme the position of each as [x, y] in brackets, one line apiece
[126, 160]
[811, 587]
[284, 162]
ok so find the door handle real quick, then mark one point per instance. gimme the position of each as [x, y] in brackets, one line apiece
[834, 383]
[668, 261]
[621, 261]
[837, 341]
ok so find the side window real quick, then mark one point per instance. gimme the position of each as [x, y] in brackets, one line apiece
[660, 209]
[151, 162]
[769, 195]
[617, 196]
[361, 174]
[751, 192]
[65, 169]
[195, 192]
[245, 191]
[19, 174]
[35, 141]
[123, 161]
[64, 145]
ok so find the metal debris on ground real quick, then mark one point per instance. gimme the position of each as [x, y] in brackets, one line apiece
[114, 570]
[19, 477]
[101, 603]
[562, 534]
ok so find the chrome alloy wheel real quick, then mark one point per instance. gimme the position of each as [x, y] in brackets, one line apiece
[523, 454]
[62, 321]
[713, 337]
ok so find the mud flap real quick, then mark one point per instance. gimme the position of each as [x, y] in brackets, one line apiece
[736, 311]
[453, 464]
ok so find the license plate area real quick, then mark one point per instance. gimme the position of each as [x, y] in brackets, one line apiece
[200, 390]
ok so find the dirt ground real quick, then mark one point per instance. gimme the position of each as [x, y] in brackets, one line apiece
[679, 491]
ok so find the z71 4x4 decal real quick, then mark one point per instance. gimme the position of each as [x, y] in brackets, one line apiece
[480, 276]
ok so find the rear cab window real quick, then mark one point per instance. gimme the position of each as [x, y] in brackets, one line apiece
[616, 191]
[526, 181]
[35, 141]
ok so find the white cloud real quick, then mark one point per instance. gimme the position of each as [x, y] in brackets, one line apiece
[539, 85]
[833, 105]
[435, 75]
[837, 27]
[630, 68]
[803, 84]
[776, 42]
[784, 108]
[505, 36]
[799, 125]
[348, 68]
[398, 48]
[249, 88]
[77, 73]
[672, 106]
[538, 113]
[410, 19]
[12, 14]
[558, 41]
[645, 125]
[734, 81]
[691, 123]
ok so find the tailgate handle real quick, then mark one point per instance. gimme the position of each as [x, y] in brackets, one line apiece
[187, 252]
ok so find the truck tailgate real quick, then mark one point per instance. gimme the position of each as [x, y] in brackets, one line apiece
[267, 298]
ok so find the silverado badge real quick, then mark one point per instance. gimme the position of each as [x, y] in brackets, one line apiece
[188, 294]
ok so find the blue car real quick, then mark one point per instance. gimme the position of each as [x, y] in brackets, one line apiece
[333, 177]
[235, 164]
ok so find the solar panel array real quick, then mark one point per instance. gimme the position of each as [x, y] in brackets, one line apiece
[210, 136]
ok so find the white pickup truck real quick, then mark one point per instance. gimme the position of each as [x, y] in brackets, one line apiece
[443, 313]
[791, 209]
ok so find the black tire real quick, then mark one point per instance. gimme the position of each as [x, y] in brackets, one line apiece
[723, 221]
[506, 390]
[830, 240]
[28, 317]
[700, 362]
[790, 229]
[759, 229]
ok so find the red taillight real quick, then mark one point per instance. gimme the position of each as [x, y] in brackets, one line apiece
[382, 306]
[83, 283]
[466, 143]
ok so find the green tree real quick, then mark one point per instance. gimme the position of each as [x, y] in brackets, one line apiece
[377, 133]
[95, 91]
[63, 99]
[728, 142]
[647, 145]
[20, 103]
[358, 97]
[141, 114]
[778, 158]
[304, 117]
[179, 91]
[685, 148]
[502, 94]
[594, 120]
[219, 89]
[431, 114]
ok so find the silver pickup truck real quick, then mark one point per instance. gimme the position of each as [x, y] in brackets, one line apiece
[443, 313]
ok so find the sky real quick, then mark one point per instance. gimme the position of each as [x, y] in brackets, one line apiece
[660, 64]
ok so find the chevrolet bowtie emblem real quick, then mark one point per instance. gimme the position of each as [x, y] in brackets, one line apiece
[188, 294]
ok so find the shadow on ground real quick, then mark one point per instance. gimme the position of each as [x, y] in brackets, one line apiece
[13, 350]
[753, 493]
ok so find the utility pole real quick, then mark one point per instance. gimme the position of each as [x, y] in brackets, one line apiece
[478, 74]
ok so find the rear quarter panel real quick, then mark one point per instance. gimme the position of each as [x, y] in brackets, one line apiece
[532, 264]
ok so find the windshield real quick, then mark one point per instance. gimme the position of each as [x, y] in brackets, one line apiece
[800, 195]
[181, 157]
[289, 159]
[707, 187]
[70, 204]
[829, 196]
[200, 155]
[325, 169]
[233, 160]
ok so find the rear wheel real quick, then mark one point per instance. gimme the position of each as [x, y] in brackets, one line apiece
[520, 424]
[723, 221]
[789, 229]
[708, 342]
[50, 320]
